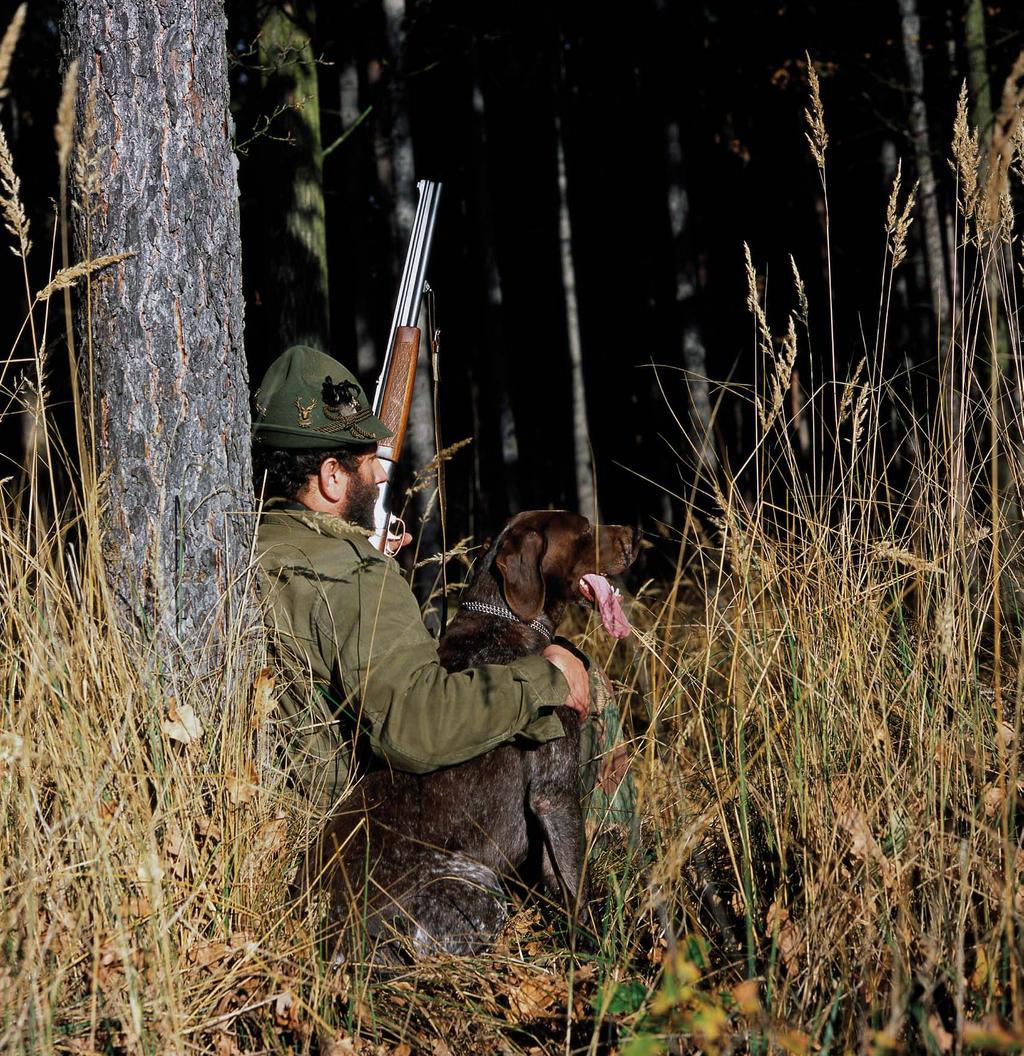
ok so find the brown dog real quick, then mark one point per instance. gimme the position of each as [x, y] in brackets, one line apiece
[420, 856]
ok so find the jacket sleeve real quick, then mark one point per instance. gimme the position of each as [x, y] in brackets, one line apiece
[416, 715]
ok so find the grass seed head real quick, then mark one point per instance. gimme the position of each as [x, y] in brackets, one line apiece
[63, 130]
[15, 220]
[89, 156]
[966, 159]
[898, 218]
[817, 137]
[803, 309]
[8, 44]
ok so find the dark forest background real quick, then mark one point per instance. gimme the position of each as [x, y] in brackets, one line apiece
[680, 131]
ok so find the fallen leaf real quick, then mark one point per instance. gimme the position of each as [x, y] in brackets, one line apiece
[206, 952]
[1004, 735]
[286, 1011]
[182, 724]
[110, 808]
[274, 833]
[224, 1044]
[795, 1042]
[747, 996]
[176, 852]
[864, 846]
[243, 991]
[980, 974]
[439, 1048]
[263, 699]
[345, 1046]
[207, 828]
[241, 787]
[136, 908]
[709, 1024]
[993, 798]
[533, 998]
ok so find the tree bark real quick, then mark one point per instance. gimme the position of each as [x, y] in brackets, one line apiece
[164, 376]
[294, 263]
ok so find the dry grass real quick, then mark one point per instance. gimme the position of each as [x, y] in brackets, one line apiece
[826, 706]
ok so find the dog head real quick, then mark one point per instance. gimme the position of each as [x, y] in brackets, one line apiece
[547, 558]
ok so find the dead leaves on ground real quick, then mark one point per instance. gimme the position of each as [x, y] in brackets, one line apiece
[182, 724]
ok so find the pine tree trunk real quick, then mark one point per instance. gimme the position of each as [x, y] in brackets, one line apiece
[294, 263]
[165, 384]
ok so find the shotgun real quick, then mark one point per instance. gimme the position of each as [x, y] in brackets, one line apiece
[393, 395]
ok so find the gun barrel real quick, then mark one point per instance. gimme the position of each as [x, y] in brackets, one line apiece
[414, 273]
[407, 311]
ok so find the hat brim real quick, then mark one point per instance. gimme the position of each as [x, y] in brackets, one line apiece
[370, 429]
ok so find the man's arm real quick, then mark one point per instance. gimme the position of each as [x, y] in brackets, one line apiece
[418, 716]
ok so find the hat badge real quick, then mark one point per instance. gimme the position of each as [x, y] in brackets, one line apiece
[305, 412]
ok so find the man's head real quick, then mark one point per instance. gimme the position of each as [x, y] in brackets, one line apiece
[315, 437]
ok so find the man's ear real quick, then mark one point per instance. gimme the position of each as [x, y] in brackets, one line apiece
[330, 480]
[518, 560]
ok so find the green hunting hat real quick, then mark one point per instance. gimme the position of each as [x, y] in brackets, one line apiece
[307, 400]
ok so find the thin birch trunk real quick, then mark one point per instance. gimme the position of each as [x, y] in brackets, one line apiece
[586, 489]
[366, 358]
[685, 314]
[419, 438]
[491, 357]
[938, 271]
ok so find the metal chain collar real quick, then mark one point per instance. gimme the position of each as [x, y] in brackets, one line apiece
[507, 614]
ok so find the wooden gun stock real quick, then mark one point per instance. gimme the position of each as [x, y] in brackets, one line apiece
[397, 398]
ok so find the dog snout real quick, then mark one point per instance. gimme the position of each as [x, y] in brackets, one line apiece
[619, 545]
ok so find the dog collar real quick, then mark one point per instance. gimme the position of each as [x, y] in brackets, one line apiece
[507, 614]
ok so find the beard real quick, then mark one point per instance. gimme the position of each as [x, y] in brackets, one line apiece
[362, 500]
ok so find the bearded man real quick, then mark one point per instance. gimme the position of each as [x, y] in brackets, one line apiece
[365, 685]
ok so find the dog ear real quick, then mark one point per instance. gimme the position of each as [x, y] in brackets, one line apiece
[519, 560]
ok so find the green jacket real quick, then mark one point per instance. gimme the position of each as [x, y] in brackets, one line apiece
[363, 670]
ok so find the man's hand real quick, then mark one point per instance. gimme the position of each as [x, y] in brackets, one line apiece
[575, 674]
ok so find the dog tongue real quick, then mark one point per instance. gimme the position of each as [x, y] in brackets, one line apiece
[607, 601]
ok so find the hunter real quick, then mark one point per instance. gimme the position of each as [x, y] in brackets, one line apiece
[366, 686]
